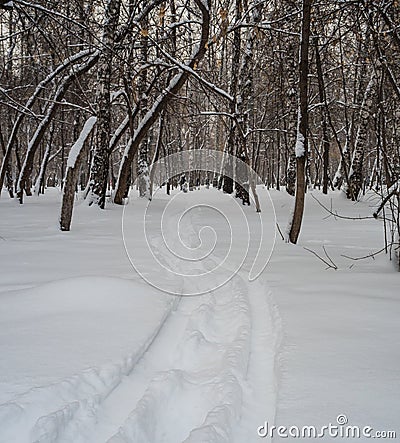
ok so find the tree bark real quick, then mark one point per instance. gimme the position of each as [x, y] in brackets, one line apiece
[232, 137]
[293, 97]
[143, 156]
[325, 135]
[71, 177]
[7, 170]
[101, 157]
[302, 143]
[354, 184]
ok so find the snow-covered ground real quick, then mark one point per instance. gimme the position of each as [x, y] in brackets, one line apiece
[92, 353]
[340, 350]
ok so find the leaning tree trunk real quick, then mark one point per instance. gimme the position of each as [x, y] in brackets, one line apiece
[162, 100]
[26, 170]
[101, 157]
[301, 142]
[71, 177]
[29, 104]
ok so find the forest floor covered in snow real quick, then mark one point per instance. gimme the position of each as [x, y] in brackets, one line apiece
[92, 353]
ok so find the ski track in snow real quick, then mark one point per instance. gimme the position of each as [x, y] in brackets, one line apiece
[79, 397]
[193, 380]
[197, 382]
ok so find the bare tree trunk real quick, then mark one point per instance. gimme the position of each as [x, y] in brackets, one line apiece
[39, 184]
[341, 172]
[355, 175]
[245, 107]
[232, 137]
[143, 155]
[101, 157]
[157, 152]
[73, 165]
[302, 142]
[344, 164]
[325, 135]
[292, 120]
[7, 169]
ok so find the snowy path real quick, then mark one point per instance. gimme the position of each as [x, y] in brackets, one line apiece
[208, 377]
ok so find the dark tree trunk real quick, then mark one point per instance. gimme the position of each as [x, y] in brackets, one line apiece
[292, 69]
[7, 169]
[143, 155]
[301, 143]
[325, 135]
[354, 184]
[73, 167]
[231, 143]
[101, 156]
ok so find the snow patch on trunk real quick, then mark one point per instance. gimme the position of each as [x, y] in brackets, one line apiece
[78, 145]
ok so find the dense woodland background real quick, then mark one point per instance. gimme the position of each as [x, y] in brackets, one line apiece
[92, 92]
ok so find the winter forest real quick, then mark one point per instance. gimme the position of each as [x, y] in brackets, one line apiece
[199, 220]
